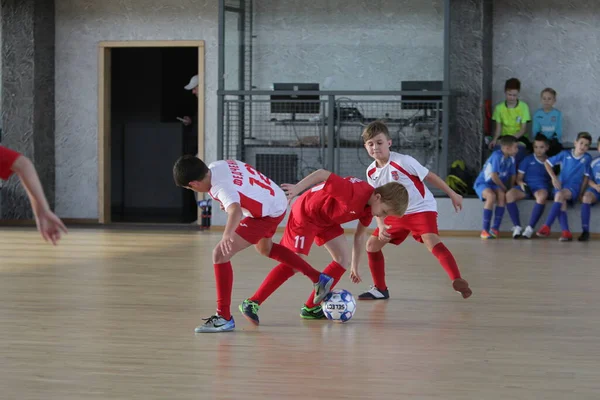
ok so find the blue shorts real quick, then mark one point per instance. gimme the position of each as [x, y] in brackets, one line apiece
[530, 190]
[480, 187]
[594, 192]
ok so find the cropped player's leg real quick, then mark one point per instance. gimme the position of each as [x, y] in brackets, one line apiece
[297, 238]
[222, 321]
[425, 230]
[566, 235]
[277, 252]
[489, 197]
[379, 289]
[499, 212]
[340, 253]
[559, 199]
[541, 196]
[512, 197]
[590, 197]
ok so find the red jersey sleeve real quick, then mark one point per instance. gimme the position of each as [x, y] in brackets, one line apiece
[7, 159]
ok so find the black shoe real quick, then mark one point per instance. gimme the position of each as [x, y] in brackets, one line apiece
[250, 310]
[374, 294]
[585, 236]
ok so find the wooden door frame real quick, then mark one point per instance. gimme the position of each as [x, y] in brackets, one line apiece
[104, 112]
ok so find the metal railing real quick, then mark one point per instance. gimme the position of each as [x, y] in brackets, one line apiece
[288, 139]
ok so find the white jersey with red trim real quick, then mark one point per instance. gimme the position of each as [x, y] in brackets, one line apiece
[234, 181]
[410, 173]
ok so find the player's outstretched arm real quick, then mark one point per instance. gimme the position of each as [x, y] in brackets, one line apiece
[440, 184]
[360, 240]
[318, 176]
[48, 224]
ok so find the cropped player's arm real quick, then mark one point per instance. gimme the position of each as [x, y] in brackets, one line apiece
[318, 176]
[584, 185]
[496, 179]
[360, 239]
[522, 130]
[49, 225]
[496, 134]
[234, 216]
[440, 184]
[521, 180]
[513, 179]
[550, 171]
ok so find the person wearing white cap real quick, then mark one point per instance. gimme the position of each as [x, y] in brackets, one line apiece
[193, 86]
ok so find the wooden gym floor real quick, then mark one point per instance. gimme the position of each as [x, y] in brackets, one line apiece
[109, 314]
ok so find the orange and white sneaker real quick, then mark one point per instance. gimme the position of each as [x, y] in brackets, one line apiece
[462, 287]
[544, 231]
[486, 235]
[566, 236]
[495, 233]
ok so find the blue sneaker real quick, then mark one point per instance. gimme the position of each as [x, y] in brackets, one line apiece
[216, 323]
[322, 288]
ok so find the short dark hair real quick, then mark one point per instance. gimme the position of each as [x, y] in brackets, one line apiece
[512, 84]
[187, 169]
[540, 137]
[507, 140]
[375, 128]
[584, 135]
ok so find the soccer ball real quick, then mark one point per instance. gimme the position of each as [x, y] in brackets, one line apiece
[339, 305]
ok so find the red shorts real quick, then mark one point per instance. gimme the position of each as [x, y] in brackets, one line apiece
[253, 230]
[300, 232]
[418, 223]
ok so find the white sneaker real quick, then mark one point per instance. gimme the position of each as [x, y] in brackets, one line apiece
[517, 231]
[528, 233]
[216, 323]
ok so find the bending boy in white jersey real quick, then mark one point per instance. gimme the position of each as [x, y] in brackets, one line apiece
[242, 191]
[420, 218]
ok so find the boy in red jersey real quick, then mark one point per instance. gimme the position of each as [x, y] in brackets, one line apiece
[420, 218]
[48, 224]
[242, 191]
[317, 216]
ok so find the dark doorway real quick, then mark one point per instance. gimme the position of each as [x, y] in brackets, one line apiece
[147, 97]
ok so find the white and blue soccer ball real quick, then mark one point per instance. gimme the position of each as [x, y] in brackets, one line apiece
[339, 305]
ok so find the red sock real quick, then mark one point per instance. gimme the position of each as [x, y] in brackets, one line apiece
[276, 278]
[224, 278]
[446, 259]
[377, 267]
[335, 271]
[287, 256]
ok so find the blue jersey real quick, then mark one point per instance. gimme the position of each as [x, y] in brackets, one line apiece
[503, 166]
[572, 169]
[595, 171]
[548, 123]
[536, 176]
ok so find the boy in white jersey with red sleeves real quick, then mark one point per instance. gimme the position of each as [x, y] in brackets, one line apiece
[420, 218]
[242, 192]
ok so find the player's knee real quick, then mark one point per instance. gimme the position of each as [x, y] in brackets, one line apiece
[511, 196]
[218, 256]
[588, 198]
[264, 248]
[374, 245]
[559, 197]
[541, 196]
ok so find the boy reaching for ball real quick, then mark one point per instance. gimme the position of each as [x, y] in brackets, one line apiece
[242, 192]
[317, 216]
